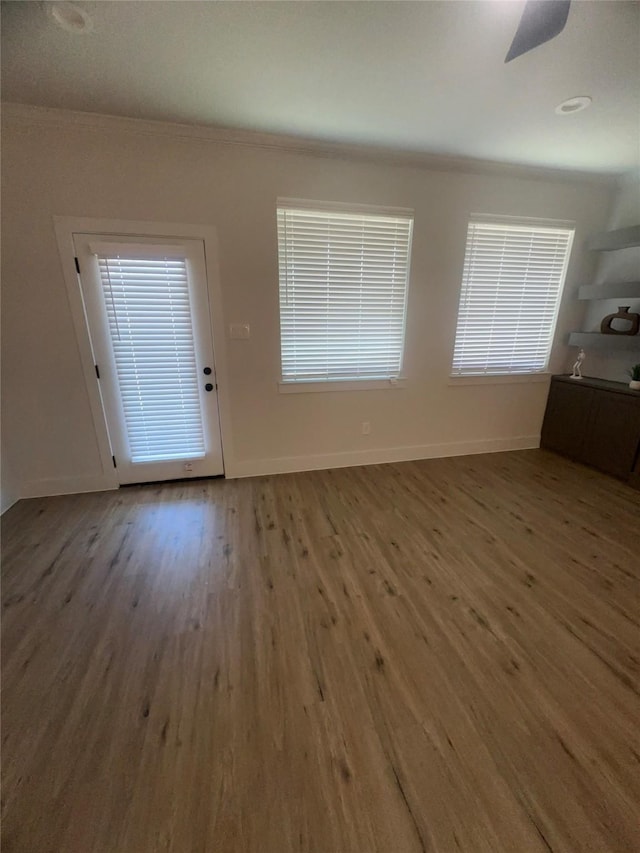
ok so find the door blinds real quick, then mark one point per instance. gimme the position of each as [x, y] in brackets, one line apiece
[147, 304]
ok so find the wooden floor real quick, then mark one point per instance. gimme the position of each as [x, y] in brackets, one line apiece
[431, 656]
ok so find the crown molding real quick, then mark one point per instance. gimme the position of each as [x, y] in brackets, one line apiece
[29, 116]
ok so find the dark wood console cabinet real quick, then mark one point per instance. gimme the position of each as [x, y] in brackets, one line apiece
[596, 422]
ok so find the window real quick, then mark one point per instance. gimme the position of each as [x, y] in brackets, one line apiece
[511, 287]
[343, 292]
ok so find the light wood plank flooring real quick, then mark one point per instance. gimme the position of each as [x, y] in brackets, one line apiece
[435, 656]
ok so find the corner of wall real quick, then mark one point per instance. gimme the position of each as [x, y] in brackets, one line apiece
[622, 265]
[9, 486]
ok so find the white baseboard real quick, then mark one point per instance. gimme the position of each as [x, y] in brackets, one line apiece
[66, 486]
[290, 464]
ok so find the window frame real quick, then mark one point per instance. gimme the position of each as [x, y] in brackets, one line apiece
[530, 376]
[299, 386]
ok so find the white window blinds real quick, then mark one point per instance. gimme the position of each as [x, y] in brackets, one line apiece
[343, 293]
[147, 303]
[511, 287]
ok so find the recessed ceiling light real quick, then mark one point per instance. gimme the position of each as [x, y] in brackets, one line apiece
[573, 105]
[70, 16]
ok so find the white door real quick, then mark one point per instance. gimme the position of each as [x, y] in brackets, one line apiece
[147, 309]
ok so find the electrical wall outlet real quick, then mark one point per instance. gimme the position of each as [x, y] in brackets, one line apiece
[366, 428]
[240, 331]
[188, 467]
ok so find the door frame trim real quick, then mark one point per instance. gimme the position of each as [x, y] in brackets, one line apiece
[65, 227]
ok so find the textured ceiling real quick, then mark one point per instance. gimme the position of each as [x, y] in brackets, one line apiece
[420, 76]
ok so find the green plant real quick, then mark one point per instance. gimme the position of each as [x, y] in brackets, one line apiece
[634, 372]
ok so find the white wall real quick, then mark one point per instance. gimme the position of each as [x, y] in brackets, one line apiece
[613, 267]
[57, 167]
[10, 487]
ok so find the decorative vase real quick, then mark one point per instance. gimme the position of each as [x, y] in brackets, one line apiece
[635, 384]
[621, 314]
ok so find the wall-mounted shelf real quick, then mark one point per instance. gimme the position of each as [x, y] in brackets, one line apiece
[620, 290]
[596, 340]
[611, 241]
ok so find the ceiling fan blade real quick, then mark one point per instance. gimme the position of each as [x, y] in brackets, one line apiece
[541, 21]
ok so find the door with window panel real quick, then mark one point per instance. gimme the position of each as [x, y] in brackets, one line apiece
[147, 308]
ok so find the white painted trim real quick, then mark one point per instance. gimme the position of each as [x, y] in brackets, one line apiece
[521, 221]
[292, 464]
[342, 385]
[65, 227]
[289, 464]
[499, 378]
[64, 236]
[26, 115]
[344, 207]
[66, 486]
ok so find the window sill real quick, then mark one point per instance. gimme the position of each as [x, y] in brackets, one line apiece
[500, 379]
[342, 385]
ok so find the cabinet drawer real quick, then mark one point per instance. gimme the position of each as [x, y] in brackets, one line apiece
[566, 419]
